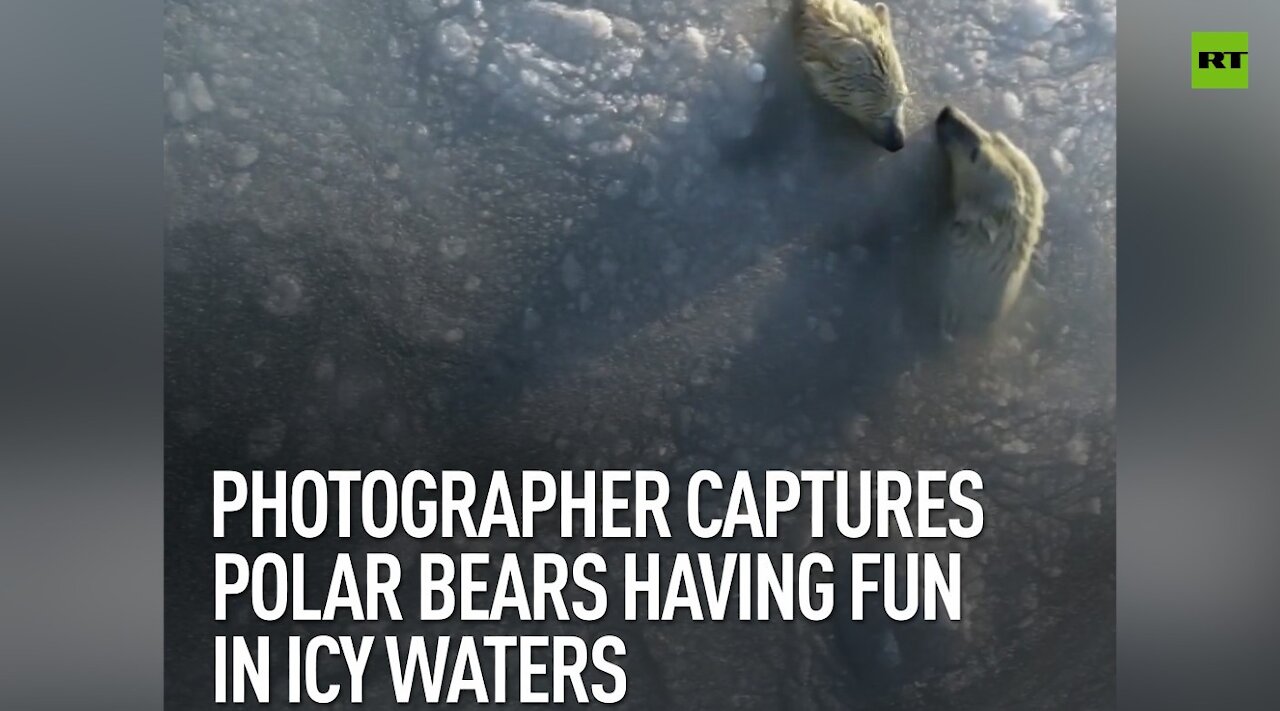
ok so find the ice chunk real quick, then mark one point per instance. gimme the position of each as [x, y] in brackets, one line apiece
[621, 144]
[691, 44]
[245, 155]
[1078, 450]
[456, 44]
[1012, 105]
[1107, 21]
[420, 9]
[1060, 161]
[1037, 17]
[198, 93]
[755, 72]
[180, 107]
[571, 34]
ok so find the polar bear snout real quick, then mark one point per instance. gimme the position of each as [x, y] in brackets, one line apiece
[890, 135]
[955, 128]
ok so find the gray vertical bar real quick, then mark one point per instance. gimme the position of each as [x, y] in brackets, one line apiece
[1198, 343]
[80, 346]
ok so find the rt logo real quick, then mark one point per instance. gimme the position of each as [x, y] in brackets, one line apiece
[1219, 60]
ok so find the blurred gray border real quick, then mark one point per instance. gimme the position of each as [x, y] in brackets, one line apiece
[80, 376]
[1198, 207]
[80, 363]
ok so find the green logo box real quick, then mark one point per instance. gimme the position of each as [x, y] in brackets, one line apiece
[1219, 60]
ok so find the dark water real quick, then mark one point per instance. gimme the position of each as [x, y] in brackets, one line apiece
[418, 234]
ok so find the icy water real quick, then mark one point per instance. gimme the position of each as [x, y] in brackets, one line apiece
[454, 233]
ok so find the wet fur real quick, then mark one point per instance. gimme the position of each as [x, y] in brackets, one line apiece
[847, 52]
[995, 221]
[790, 104]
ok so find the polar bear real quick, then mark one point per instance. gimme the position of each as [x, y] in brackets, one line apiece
[847, 51]
[997, 203]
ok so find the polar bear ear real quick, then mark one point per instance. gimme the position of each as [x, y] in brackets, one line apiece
[882, 13]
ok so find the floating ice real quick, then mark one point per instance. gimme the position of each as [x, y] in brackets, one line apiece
[1078, 450]
[1012, 105]
[622, 144]
[1107, 21]
[691, 44]
[456, 44]
[198, 93]
[575, 35]
[180, 107]
[420, 9]
[1039, 16]
[245, 155]
[1060, 161]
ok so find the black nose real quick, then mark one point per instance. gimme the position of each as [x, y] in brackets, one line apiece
[893, 139]
[946, 115]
